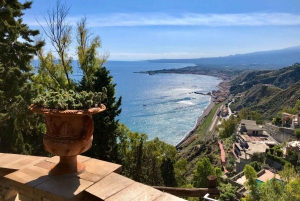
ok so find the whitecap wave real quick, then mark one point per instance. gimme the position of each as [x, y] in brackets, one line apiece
[186, 102]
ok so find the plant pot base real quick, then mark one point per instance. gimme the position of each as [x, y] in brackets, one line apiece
[68, 165]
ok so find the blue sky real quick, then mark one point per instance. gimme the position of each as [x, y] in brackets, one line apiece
[156, 29]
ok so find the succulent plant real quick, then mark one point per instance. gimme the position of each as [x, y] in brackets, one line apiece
[70, 99]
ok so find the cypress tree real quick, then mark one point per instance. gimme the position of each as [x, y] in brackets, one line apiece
[17, 48]
[105, 145]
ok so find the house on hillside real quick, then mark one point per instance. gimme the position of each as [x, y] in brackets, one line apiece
[250, 127]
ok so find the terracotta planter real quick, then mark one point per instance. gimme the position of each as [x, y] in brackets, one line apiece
[69, 133]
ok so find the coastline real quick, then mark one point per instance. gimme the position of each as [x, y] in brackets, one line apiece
[200, 119]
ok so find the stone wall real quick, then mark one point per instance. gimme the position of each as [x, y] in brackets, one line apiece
[280, 134]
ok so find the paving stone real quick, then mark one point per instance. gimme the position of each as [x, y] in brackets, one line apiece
[8, 158]
[101, 167]
[129, 193]
[62, 187]
[80, 158]
[148, 194]
[90, 176]
[109, 186]
[23, 162]
[168, 197]
[25, 179]
[45, 164]
[31, 176]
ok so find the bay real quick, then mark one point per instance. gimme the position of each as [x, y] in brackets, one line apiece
[160, 105]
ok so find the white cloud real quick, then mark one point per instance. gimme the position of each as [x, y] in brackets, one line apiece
[192, 19]
[187, 19]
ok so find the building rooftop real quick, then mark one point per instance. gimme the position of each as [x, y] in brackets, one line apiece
[251, 125]
[259, 147]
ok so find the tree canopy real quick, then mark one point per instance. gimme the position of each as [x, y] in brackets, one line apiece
[17, 48]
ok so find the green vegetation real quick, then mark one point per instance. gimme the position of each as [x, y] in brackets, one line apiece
[251, 183]
[70, 99]
[227, 127]
[20, 130]
[227, 192]
[202, 129]
[281, 78]
[203, 169]
[286, 189]
[277, 159]
[268, 92]
[297, 133]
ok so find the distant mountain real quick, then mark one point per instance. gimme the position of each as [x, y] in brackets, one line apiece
[282, 78]
[273, 59]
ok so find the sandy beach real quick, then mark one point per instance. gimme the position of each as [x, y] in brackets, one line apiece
[198, 122]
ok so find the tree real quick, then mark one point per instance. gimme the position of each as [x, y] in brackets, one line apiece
[292, 157]
[259, 157]
[181, 168]
[273, 190]
[227, 192]
[243, 113]
[88, 57]
[297, 133]
[227, 127]
[168, 172]
[17, 48]
[55, 69]
[105, 145]
[288, 172]
[256, 165]
[251, 176]
[203, 169]
[96, 77]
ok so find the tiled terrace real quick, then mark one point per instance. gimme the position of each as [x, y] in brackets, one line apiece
[27, 178]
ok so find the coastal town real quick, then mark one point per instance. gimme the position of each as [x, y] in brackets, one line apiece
[248, 141]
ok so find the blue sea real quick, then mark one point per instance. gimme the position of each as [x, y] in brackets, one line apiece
[160, 105]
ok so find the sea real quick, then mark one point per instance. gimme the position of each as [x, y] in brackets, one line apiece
[160, 105]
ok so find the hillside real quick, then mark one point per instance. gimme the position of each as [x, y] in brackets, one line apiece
[269, 100]
[282, 78]
[273, 59]
[256, 95]
[287, 97]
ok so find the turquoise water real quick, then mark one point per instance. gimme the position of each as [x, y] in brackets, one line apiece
[160, 105]
[259, 182]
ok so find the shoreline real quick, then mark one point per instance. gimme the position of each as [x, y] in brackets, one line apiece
[199, 120]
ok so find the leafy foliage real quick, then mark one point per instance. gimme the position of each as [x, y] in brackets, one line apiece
[274, 189]
[70, 99]
[250, 175]
[181, 167]
[227, 192]
[259, 157]
[150, 162]
[297, 133]
[20, 130]
[203, 169]
[227, 127]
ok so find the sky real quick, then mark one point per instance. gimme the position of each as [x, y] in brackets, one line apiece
[172, 29]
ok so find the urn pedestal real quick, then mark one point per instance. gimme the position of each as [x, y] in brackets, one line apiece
[69, 133]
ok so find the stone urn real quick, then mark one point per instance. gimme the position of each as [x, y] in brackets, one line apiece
[69, 133]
